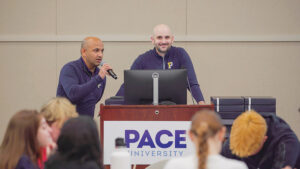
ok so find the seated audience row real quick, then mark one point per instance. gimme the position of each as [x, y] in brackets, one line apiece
[262, 141]
[28, 136]
[259, 140]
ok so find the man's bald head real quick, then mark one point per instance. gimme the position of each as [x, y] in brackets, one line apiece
[162, 28]
[88, 40]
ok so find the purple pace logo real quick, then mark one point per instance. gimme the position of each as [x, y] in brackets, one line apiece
[178, 138]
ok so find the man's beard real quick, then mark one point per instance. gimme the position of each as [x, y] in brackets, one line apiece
[164, 52]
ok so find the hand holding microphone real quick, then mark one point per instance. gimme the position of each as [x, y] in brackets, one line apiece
[106, 69]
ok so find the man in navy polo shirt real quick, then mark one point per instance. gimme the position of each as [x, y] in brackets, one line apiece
[81, 81]
[166, 56]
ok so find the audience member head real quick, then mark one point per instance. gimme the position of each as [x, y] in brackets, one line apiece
[248, 134]
[162, 38]
[56, 112]
[78, 141]
[207, 133]
[26, 133]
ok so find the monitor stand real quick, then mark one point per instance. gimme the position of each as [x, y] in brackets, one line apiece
[155, 77]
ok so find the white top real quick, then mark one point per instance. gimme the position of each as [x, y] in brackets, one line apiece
[213, 162]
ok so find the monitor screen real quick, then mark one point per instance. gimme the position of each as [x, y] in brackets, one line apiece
[172, 86]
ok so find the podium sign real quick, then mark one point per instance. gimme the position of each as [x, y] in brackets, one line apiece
[148, 141]
[152, 132]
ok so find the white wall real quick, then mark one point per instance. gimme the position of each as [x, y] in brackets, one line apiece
[238, 47]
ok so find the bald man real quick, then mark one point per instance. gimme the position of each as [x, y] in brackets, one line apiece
[81, 81]
[166, 56]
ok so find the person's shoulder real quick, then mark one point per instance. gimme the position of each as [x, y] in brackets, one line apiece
[277, 127]
[226, 163]
[179, 52]
[272, 118]
[24, 159]
[72, 65]
[90, 165]
[53, 161]
[58, 162]
[144, 57]
[178, 49]
[82, 165]
[147, 53]
[25, 163]
[226, 152]
[73, 62]
[187, 162]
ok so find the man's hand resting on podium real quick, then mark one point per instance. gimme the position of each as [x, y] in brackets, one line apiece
[201, 102]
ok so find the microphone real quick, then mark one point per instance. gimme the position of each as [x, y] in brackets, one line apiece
[110, 71]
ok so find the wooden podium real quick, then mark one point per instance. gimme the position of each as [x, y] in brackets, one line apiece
[147, 113]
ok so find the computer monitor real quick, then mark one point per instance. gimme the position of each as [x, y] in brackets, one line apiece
[138, 85]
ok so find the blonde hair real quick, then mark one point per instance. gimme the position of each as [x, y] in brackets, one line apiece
[58, 110]
[247, 134]
[205, 124]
